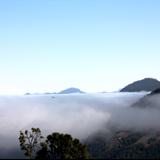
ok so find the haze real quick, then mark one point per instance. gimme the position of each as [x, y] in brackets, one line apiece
[80, 115]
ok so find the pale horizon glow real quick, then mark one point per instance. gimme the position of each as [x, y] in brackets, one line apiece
[93, 45]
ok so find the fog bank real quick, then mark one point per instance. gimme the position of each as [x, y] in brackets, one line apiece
[80, 115]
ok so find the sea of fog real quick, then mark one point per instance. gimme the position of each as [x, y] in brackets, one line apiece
[80, 115]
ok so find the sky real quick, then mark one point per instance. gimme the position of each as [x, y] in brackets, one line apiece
[94, 45]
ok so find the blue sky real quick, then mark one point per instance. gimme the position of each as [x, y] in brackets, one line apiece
[95, 45]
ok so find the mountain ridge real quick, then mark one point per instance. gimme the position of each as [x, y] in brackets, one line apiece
[70, 91]
[149, 100]
[146, 84]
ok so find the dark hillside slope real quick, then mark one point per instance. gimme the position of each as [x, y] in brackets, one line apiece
[147, 84]
[151, 100]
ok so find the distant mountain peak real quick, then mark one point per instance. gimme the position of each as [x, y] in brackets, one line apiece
[71, 90]
[146, 84]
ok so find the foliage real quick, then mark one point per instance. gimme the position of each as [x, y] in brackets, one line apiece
[30, 141]
[56, 146]
[62, 146]
[126, 145]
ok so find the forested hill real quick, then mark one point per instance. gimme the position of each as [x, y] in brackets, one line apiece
[126, 145]
[147, 84]
[151, 100]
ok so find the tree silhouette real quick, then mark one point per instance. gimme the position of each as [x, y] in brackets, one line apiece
[56, 146]
[62, 146]
[30, 141]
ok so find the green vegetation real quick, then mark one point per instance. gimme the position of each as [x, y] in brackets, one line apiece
[56, 146]
[126, 145]
[30, 141]
[117, 145]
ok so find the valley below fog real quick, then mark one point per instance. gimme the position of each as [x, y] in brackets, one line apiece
[81, 115]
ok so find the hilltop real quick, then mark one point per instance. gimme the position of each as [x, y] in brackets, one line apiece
[147, 84]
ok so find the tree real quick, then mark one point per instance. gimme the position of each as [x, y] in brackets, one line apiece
[30, 142]
[62, 146]
[56, 146]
